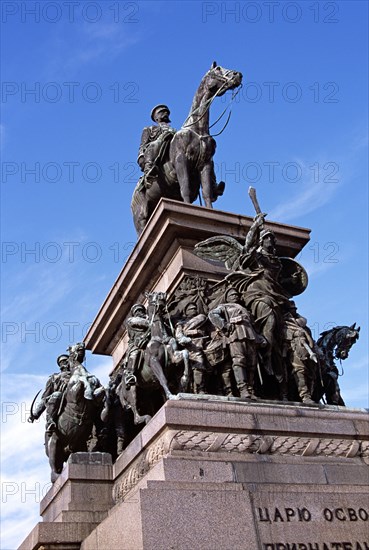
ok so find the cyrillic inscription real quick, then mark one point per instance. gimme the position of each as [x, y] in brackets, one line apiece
[316, 546]
[275, 515]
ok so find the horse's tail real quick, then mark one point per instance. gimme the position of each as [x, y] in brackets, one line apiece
[139, 205]
[138, 193]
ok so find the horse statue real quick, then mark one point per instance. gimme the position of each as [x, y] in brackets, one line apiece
[163, 368]
[187, 164]
[79, 408]
[333, 344]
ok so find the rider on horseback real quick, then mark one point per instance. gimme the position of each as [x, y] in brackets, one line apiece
[154, 140]
[52, 395]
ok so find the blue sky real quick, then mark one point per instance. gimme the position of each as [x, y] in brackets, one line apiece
[298, 134]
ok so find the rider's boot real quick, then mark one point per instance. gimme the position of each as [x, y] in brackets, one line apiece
[129, 379]
[308, 401]
[267, 361]
[283, 390]
[227, 384]
[50, 426]
[250, 376]
[151, 173]
[241, 381]
[303, 390]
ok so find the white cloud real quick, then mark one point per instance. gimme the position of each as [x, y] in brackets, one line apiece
[313, 268]
[38, 294]
[92, 42]
[24, 465]
[356, 396]
[313, 196]
[361, 364]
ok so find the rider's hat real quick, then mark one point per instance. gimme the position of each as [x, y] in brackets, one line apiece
[61, 358]
[136, 307]
[158, 108]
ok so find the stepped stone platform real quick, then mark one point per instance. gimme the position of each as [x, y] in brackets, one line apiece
[214, 472]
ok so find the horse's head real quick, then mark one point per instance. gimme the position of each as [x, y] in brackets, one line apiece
[77, 352]
[219, 80]
[346, 337]
[337, 342]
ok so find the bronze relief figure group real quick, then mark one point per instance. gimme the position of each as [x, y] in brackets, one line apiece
[241, 336]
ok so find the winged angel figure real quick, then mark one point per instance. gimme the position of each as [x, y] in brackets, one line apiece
[265, 281]
[256, 258]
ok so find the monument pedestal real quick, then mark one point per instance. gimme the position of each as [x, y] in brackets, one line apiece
[210, 472]
[215, 472]
[226, 473]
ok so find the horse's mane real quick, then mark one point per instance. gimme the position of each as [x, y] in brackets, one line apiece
[327, 335]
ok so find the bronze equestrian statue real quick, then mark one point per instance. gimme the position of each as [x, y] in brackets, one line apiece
[177, 164]
[154, 368]
[79, 403]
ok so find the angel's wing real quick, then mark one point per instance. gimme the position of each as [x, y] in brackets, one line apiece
[221, 248]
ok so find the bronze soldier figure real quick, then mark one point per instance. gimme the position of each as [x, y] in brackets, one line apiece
[52, 395]
[190, 333]
[153, 141]
[234, 321]
[299, 352]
